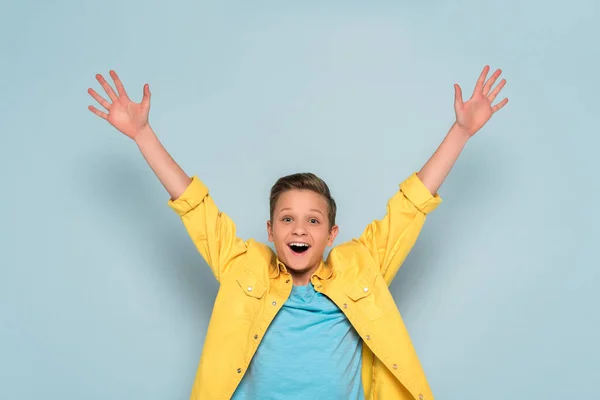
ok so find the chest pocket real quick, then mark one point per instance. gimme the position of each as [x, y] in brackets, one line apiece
[244, 297]
[366, 294]
[251, 286]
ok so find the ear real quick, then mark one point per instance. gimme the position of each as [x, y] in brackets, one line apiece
[333, 232]
[270, 231]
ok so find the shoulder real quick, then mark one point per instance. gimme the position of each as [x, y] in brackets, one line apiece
[260, 250]
[258, 260]
[350, 255]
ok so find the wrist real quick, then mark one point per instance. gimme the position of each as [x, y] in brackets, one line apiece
[144, 135]
[459, 134]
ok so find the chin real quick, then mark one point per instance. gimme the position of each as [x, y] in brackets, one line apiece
[298, 262]
[296, 267]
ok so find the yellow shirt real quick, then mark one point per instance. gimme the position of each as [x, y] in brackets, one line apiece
[254, 284]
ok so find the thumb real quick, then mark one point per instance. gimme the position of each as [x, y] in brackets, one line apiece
[458, 100]
[146, 97]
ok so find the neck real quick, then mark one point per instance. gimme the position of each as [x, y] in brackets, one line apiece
[302, 278]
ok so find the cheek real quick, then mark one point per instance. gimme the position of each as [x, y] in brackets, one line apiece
[279, 236]
[321, 238]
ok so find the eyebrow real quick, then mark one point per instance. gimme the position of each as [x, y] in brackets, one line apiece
[312, 209]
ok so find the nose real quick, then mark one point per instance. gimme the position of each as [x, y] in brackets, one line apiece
[299, 229]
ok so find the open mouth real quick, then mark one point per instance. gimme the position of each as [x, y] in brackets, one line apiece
[298, 248]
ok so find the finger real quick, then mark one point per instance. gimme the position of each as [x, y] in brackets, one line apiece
[109, 90]
[497, 90]
[99, 99]
[118, 84]
[458, 99]
[98, 112]
[500, 105]
[481, 80]
[491, 81]
[146, 96]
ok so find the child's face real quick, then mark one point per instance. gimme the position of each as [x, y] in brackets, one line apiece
[300, 230]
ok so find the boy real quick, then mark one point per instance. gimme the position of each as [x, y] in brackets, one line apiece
[286, 324]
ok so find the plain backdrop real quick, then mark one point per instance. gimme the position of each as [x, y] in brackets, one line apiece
[102, 294]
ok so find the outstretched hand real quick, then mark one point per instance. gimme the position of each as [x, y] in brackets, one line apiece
[476, 112]
[126, 116]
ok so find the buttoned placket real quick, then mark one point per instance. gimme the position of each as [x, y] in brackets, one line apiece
[346, 308]
[393, 366]
[273, 310]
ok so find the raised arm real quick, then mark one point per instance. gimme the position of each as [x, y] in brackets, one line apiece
[391, 238]
[131, 119]
[471, 116]
[212, 231]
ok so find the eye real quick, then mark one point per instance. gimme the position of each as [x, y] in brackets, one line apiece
[314, 221]
[286, 219]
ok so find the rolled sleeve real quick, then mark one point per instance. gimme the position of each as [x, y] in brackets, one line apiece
[418, 194]
[193, 195]
[212, 231]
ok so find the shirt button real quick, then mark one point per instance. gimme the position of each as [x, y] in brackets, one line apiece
[319, 287]
[287, 281]
[255, 336]
[249, 288]
[345, 305]
[274, 303]
[395, 366]
[366, 289]
[368, 337]
[239, 370]
[420, 396]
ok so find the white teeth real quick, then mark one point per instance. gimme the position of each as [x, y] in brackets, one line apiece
[299, 244]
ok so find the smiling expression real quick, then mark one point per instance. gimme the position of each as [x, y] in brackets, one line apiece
[300, 231]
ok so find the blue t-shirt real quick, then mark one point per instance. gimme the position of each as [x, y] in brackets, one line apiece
[310, 351]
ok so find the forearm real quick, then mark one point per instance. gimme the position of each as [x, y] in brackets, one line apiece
[168, 172]
[437, 168]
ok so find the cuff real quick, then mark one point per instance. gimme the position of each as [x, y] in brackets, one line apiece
[193, 195]
[418, 194]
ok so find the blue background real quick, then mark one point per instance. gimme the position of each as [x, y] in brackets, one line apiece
[102, 294]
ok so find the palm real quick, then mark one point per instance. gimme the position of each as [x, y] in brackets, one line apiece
[125, 115]
[474, 114]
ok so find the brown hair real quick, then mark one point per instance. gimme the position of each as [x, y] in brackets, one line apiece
[303, 181]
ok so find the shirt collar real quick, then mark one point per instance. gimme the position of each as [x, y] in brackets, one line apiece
[324, 271]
